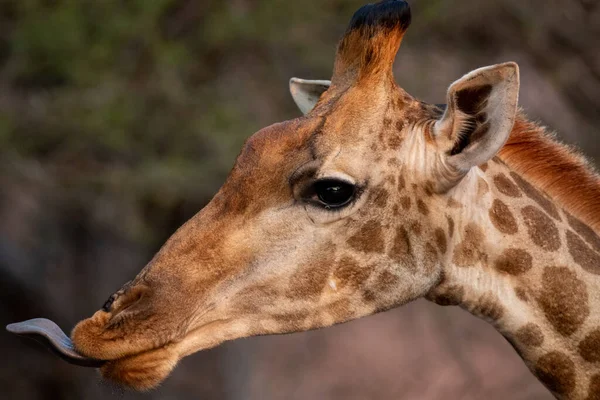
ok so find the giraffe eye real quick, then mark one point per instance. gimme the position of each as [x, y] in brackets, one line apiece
[333, 193]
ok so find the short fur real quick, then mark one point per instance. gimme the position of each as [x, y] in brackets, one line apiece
[268, 255]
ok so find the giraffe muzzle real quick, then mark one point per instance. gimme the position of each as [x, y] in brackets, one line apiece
[50, 335]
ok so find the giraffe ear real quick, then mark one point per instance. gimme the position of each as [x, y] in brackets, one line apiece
[306, 93]
[479, 117]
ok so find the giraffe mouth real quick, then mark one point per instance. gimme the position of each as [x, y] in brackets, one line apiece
[51, 336]
[142, 371]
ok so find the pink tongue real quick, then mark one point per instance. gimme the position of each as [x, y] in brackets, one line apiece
[49, 334]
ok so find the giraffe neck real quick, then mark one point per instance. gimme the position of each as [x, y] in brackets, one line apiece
[532, 270]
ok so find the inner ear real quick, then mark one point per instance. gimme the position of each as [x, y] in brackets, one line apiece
[306, 93]
[472, 102]
[479, 117]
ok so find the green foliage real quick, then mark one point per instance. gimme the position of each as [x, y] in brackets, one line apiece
[151, 100]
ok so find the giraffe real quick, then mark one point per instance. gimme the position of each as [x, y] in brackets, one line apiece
[368, 201]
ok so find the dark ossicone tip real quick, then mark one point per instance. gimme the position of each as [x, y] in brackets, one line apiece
[50, 335]
[385, 14]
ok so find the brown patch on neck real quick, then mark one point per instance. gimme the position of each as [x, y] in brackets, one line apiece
[582, 254]
[530, 335]
[452, 203]
[482, 187]
[557, 371]
[521, 293]
[594, 389]
[506, 186]
[585, 232]
[441, 241]
[502, 218]
[542, 231]
[514, 261]
[488, 306]
[555, 169]
[422, 207]
[589, 348]
[563, 299]
[471, 249]
[452, 295]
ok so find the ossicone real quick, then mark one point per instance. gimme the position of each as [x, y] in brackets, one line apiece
[367, 50]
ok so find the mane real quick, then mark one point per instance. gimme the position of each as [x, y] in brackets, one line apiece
[555, 168]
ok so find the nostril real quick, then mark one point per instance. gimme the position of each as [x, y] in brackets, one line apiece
[108, 303]
[125, 299]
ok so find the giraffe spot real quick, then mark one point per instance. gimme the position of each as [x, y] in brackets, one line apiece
[585, 232]
[385, 281]
[369, 296]
[308, 283]
[482, 187]
[484, 167]
[422, 207]
[506, 186]
[589, 347]
[258, 295]
[340, 310]
[248, 307]
[452, 295]
[514, 261]
[415, 227]
[405, 203]
[394, 142]
[401, 250]
[428, 188]
[557, 372]
[440, 240]
[450, 225]
[536, 196]
[393, 162]
[382, 138]
[563, 299]
[380, 197]
[401, 183]
[530, 335]
[452, 203]
[594, 388]
[488, 307]
[290, 321]
[541, 229]
[521, 294]
[396, 210]
[368, 239]
[587, 258]
[498, 160]
[470, 251]
[391, 179]
[399, 125]
[349, 273]
[387, 122]
[399, 104]
[429, 258]
[502, 218]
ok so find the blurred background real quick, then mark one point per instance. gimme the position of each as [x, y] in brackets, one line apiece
[119, 119]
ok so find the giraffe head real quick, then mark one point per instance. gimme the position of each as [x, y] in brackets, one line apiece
[323, 219]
